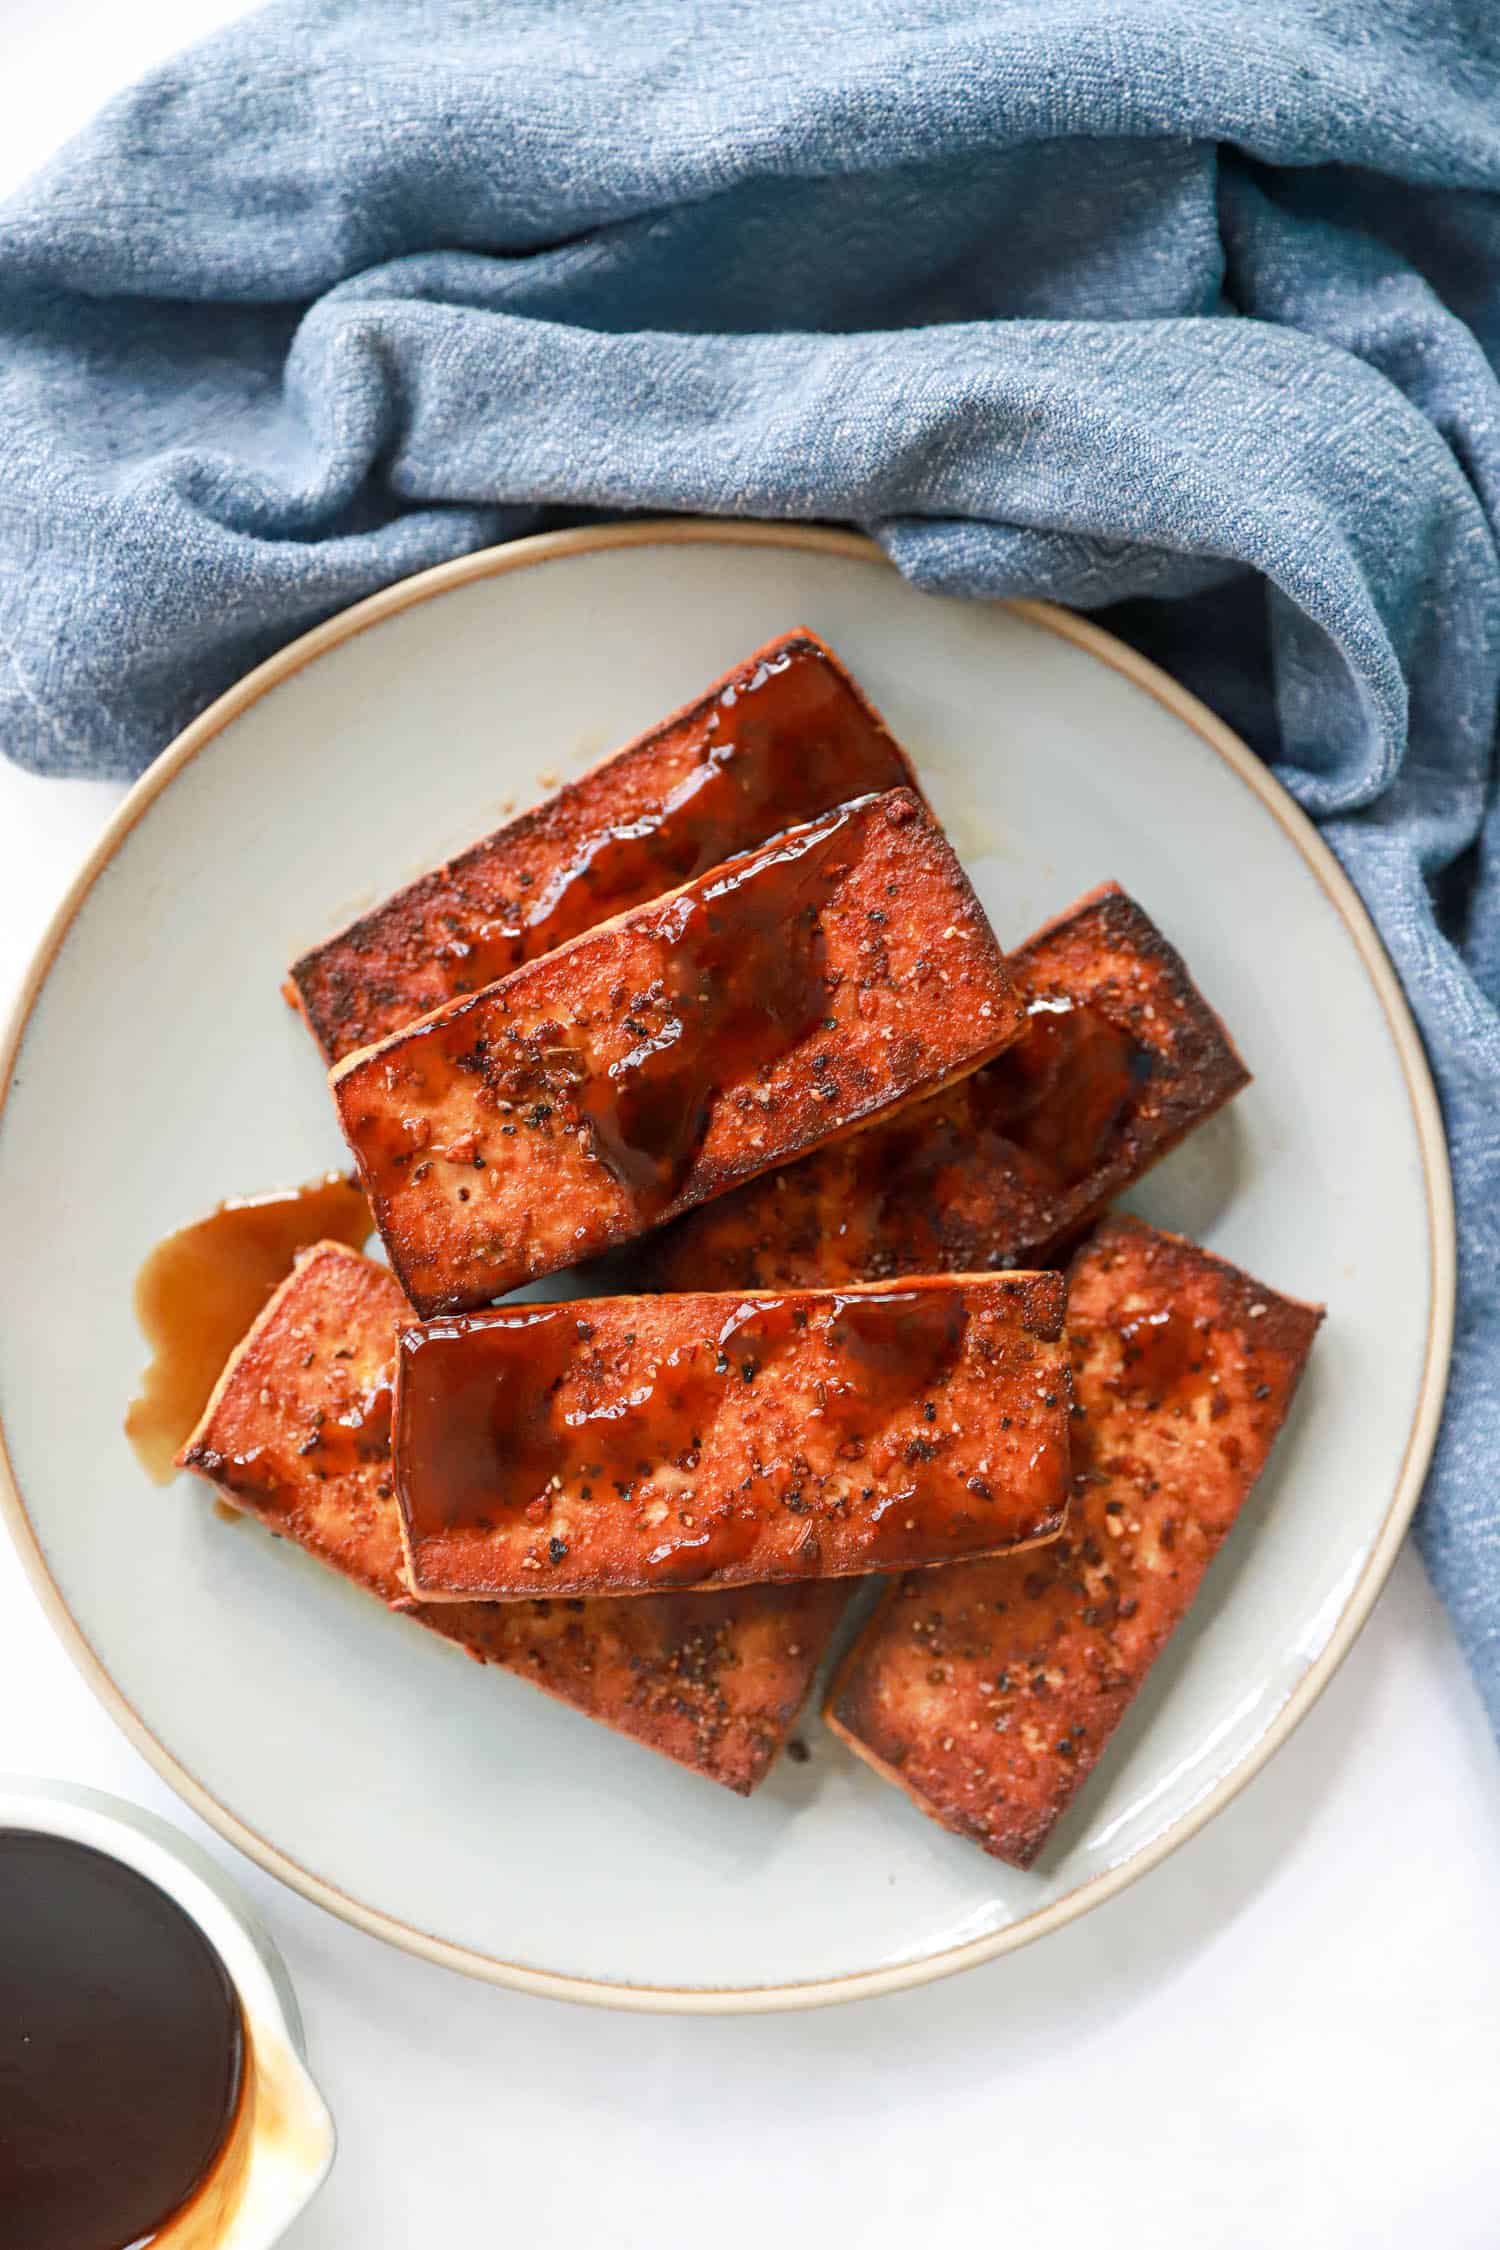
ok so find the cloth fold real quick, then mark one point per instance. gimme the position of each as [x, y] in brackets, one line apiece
[1183, 310]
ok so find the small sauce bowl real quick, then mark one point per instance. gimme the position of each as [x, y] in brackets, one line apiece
[280, 2145]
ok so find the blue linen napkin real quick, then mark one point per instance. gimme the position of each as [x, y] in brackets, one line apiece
[1184, 309]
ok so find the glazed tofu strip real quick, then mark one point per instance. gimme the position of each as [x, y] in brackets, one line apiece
[1121, 1058]
[830, 977]
[783, 737]
[621, 1444]
[988, 1692]
[298, 1434]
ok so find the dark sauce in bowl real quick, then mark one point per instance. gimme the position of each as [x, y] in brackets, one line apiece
[122, 2050]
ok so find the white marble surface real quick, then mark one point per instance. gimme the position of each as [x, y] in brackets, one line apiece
[1285, 2036]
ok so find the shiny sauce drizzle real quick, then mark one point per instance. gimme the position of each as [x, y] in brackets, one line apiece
[896, 1346]
[488, 1430]
[754, 760]
[1164, 1358]
[774, 749]
[743, 979]
[201, 1288]
[1042, 1116]
[496, 1407]
[122, 2050]
[1062, 1093]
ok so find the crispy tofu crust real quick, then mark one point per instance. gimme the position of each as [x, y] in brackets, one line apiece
[620, 1444]
[835, 974]
[784, 736]
[988, 1692]
[297, 1434]
[1007, 1167]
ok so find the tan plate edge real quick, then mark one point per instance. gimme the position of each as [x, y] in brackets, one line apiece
[522, 554]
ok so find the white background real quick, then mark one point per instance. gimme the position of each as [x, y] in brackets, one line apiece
[1288, 2035]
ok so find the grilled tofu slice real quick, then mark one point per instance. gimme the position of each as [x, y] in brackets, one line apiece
[783, 737]
[832, 975]
[988, 1692]
[1122, 1057]
[619, 1444]
[298, 1434]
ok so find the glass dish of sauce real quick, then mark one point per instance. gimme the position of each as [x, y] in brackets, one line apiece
[122, 2050]
[152, 2095]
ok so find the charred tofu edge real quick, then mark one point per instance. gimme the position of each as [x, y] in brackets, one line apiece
[968, 1039]
[590, 804]
[714, 1684]
[1249, 1309]
[817, 1218]
[1040, 1301]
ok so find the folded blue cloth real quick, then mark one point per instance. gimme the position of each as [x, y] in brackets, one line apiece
[1186, 307]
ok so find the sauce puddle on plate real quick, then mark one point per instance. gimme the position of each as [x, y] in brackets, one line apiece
[201, 1288]
[122, 2051]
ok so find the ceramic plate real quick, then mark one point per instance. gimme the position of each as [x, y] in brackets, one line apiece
[157, 1069]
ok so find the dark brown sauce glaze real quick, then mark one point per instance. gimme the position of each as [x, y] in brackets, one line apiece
[334, 1445]
[1164, 1358]
[784, 738]
[720, 1538]
[122, 2050]
[1046, 1113]
[201, 1288]
[500, 1410]
[760, 747]
[496, 1433]
[743, 982]
[764, 747]
[1061, 1094]
[899, 1166]
[490, 1436]
[896, 1347]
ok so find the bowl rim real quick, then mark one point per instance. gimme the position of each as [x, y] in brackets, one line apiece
[142, 1841]
[540, 549]
[274, 2193]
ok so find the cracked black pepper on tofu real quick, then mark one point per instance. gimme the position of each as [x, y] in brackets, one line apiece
[297, 1434]
[671, 1053]
[783, 737]
[987, 1692]
[718, 1440]
[1122, 1057]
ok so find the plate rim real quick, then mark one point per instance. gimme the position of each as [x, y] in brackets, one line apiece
[527, 553]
